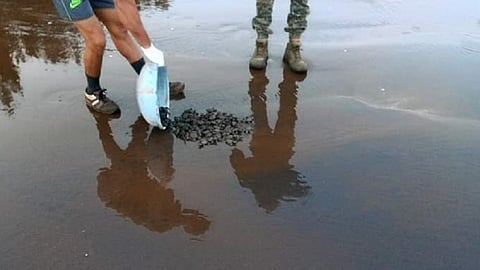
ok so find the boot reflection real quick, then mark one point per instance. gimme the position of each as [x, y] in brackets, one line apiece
[135, 183]
[268, 172]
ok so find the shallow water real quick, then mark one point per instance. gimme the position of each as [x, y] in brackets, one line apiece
[369, 161]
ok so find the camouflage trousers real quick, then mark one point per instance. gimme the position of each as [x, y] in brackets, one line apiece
[296, 20]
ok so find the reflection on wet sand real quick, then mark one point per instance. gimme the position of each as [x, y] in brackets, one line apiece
[268, 172]
[162, 4]
[9, 78]
[135, 184]
[29, 29]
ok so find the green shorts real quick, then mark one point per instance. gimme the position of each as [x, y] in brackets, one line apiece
[76, 10]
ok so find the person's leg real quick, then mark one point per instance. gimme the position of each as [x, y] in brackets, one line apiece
[119, 33]
[92, 32]
[95, 97]
[131, 18]
[297, 24]
[261, 24]
[297, 19]
[82, 16]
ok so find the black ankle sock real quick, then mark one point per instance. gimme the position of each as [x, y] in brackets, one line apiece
[93, 84]
[138, 65]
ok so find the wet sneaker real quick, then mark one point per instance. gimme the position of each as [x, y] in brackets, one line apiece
[99, 102]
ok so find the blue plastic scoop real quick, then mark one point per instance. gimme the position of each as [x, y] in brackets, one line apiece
[153, 95]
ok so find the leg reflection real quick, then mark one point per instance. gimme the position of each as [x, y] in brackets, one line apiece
[268, 172]
[135, 183]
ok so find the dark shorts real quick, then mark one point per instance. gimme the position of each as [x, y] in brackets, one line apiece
[76, 10]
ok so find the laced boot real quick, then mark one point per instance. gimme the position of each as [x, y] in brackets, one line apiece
[260, 55]
[293, 57]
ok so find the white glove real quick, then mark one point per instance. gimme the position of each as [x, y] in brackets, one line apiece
[154, 55]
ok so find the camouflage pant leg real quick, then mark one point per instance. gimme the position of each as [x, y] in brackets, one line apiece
[297, 18]
[261, 22]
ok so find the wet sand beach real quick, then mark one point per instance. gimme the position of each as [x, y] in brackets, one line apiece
[368, 161]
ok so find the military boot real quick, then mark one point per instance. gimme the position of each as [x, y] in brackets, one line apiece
[293, 58]
[260, 55]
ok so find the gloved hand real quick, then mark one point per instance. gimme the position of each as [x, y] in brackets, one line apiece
[154, 55]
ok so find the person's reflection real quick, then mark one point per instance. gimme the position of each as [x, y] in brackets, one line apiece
[297, 24]
[135, 184]
[268, 172]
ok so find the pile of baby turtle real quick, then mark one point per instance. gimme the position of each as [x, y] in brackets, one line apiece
[211, 127]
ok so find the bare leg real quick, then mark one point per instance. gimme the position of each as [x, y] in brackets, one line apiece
[119, 33]
[92, 32]
[124, 42]
[131, 18]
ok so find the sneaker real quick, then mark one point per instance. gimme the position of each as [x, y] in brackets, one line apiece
[294, 59]
[99, 102]
[260, 55]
